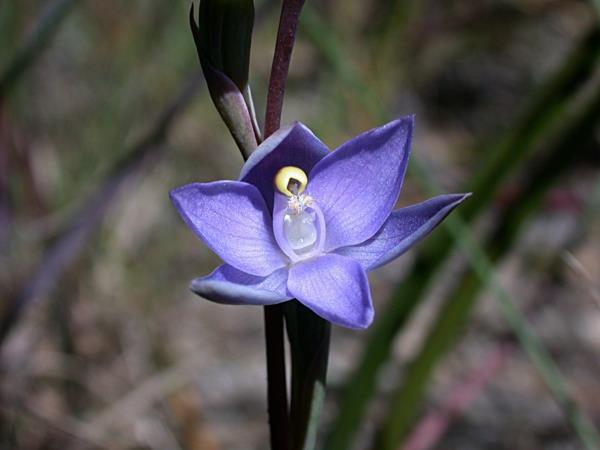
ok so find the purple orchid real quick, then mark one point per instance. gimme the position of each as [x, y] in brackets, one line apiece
[284, 235]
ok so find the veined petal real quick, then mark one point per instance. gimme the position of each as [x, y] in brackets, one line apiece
[232, 287]
[334, 287]
[294, 145]
[232, 219]
[403, 229]
[358, 184]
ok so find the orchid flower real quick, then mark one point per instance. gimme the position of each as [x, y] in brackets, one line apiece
[306, 223]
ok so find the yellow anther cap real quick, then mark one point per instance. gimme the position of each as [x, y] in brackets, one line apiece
[285, 178]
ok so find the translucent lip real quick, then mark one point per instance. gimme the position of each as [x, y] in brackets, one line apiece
[280, 208]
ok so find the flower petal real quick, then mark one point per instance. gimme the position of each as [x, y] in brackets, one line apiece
[403, 229]
[334, 287]
[232, 287]
[358, 184]
[295, 145]
[232, 219]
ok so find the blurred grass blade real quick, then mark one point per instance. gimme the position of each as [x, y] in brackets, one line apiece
[223, 36]
[596, 5]
[542, 115]
[567, 150]
[48, 24]
[544, 111]
[70, 241]
[309, 344]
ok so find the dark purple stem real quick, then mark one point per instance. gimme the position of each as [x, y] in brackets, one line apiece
[277, 386]
[286, 35]
[279, 419]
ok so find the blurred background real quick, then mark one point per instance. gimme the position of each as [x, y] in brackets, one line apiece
[486, 336]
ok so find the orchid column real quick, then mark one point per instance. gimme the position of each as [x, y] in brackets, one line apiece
[302, 226]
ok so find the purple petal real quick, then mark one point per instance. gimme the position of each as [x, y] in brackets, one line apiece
[233, 287]
[232, 219]
[335, 288]
[358, 184]
[403, 229]
[295, 145]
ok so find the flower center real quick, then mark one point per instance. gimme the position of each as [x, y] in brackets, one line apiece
[300, 231]
[298, 222]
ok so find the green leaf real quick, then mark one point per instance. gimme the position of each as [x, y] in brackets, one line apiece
[567, 149]
[309, 344]
[518, 146]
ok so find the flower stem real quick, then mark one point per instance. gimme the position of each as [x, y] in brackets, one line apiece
[309, 346]
[276, 380]
[276, 374]
[286, 35]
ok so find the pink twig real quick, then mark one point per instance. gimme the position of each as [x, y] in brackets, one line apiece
[433, 426]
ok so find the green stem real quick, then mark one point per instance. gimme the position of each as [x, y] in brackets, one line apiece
[309, 345]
